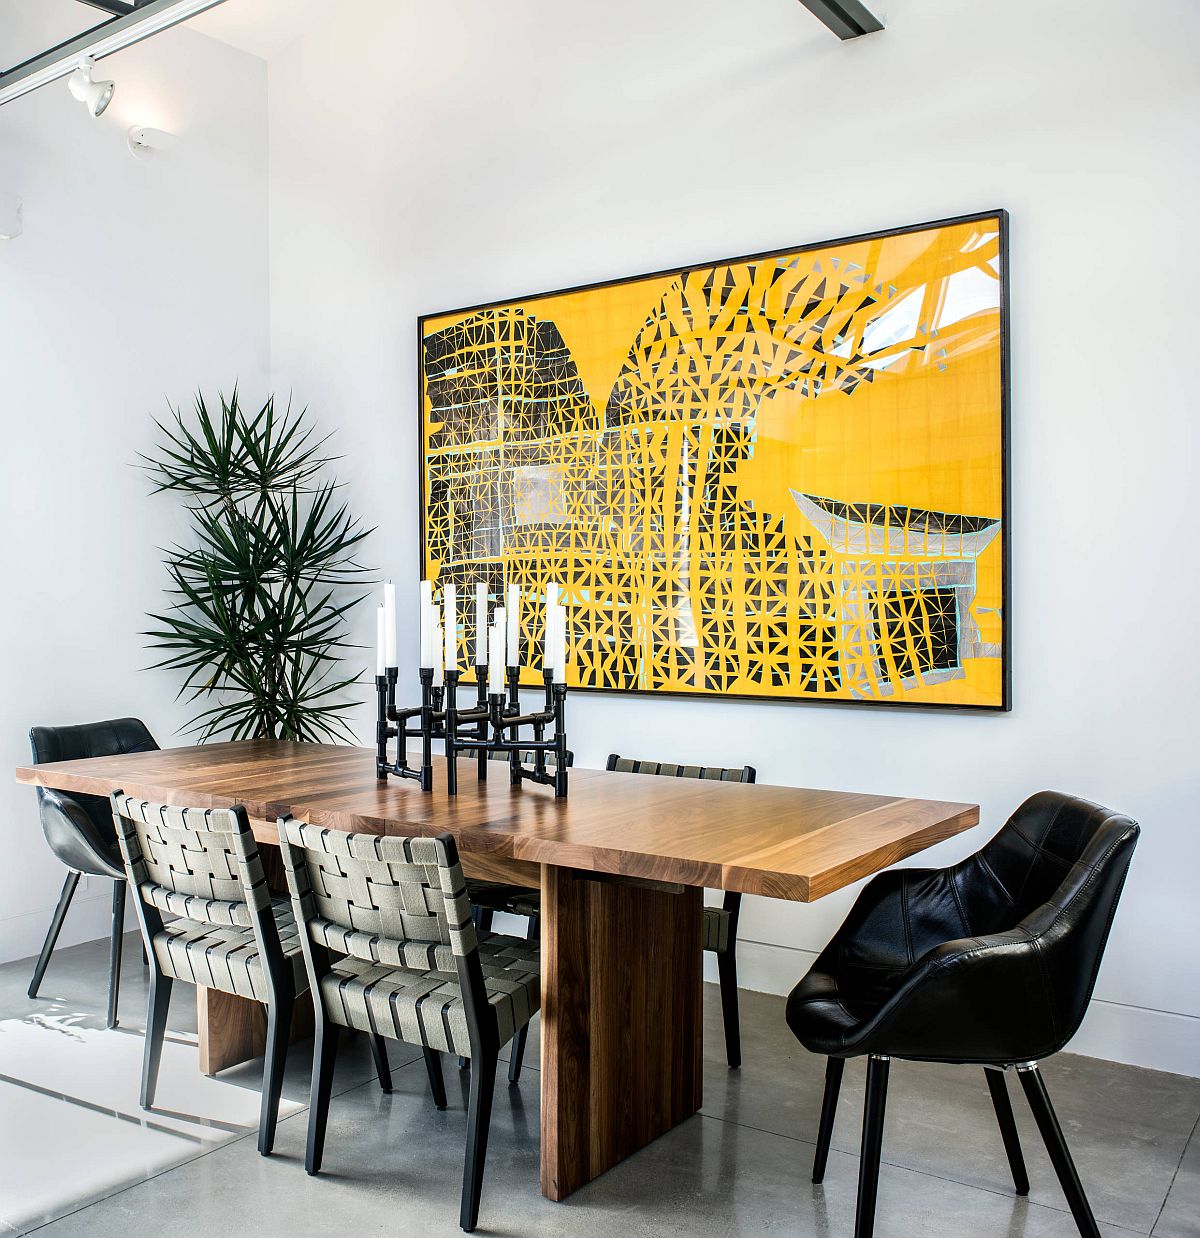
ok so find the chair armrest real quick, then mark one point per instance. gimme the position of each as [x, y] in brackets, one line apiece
[990, 993]
[73, 836]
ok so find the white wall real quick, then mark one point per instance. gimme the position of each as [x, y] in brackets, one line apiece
[132, 284]
[425, 156]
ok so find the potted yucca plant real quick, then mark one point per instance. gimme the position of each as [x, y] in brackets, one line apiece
[257, 620]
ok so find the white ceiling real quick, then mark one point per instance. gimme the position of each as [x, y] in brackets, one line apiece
[264, 27]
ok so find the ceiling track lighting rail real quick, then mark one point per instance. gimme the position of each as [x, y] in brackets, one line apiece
[140, 22]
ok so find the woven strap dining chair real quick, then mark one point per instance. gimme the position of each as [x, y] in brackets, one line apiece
[390, 948]
[720, 923]
[201, 867]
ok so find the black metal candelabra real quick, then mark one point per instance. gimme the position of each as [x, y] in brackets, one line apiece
[387, 714]
[493, 723]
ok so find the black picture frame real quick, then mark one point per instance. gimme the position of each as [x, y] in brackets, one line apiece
[1001, 217]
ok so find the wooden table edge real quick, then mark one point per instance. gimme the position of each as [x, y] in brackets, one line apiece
[490, 846]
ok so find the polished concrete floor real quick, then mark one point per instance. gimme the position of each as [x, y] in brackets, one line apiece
[78, 1157]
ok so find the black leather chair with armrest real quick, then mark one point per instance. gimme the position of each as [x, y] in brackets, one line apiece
[991, 962]
[79, 829]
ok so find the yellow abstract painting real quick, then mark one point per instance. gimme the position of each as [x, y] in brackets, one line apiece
[779, 476]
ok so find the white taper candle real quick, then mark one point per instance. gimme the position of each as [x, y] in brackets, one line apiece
[426, 609]
[496, 660]
[514, 625]
[481, 601]
[560, 644]
[389, 624]
[380, 661]
[548, 628]
[450, 598]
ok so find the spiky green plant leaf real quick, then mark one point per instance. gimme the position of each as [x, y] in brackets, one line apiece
[256, 619]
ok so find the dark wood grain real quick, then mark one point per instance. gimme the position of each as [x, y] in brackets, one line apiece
[621, 1021]
[232, 1030]
[784, 842]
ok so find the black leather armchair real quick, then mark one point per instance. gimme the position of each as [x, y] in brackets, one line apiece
[79, 829]
[990, 962]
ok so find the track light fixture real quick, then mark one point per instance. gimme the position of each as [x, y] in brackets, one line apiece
[136, 21]
[97, 95]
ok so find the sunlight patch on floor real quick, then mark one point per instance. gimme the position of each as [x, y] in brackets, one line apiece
[68, 1089]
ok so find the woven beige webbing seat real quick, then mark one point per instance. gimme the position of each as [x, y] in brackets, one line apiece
[390, 947]
[201, 867]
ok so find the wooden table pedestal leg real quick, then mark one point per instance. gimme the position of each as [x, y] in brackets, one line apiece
[234, 1029]
[621, 1021]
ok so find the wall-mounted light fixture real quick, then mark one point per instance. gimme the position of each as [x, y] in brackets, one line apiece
[10, 217]
[144, 141]
[97, 95]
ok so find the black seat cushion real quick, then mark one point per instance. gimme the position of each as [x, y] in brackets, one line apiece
[991, 960]
[79, 828]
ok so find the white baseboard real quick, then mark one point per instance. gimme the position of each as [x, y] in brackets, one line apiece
[87, 919]
[1156, 1039]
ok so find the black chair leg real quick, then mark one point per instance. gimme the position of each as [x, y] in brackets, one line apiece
[833, 1086]
[516, 1055]
[383, 1068]
[477, 920]
[727, 973]
[437, 1085]
[998, 1086]
[156, 1030]
[114, 950]
[324, 1054]
[479, 1121]
[872, 1145]
[1056, 1145]
[56, 923]
[279, 1032]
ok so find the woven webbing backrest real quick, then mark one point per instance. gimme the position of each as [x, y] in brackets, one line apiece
[191, 862]
[627, 765]
[367, 895]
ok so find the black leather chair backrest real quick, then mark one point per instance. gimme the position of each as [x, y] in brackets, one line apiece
[1055, 871]
[59, 812]
[1071, 891]
[1031, 859]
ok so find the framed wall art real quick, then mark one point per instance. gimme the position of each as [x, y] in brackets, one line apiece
[780, 476]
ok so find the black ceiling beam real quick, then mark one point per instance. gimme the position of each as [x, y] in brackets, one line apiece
[848, 19]
[118, 8]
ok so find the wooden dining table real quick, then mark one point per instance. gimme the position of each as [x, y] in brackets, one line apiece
[621, 863]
